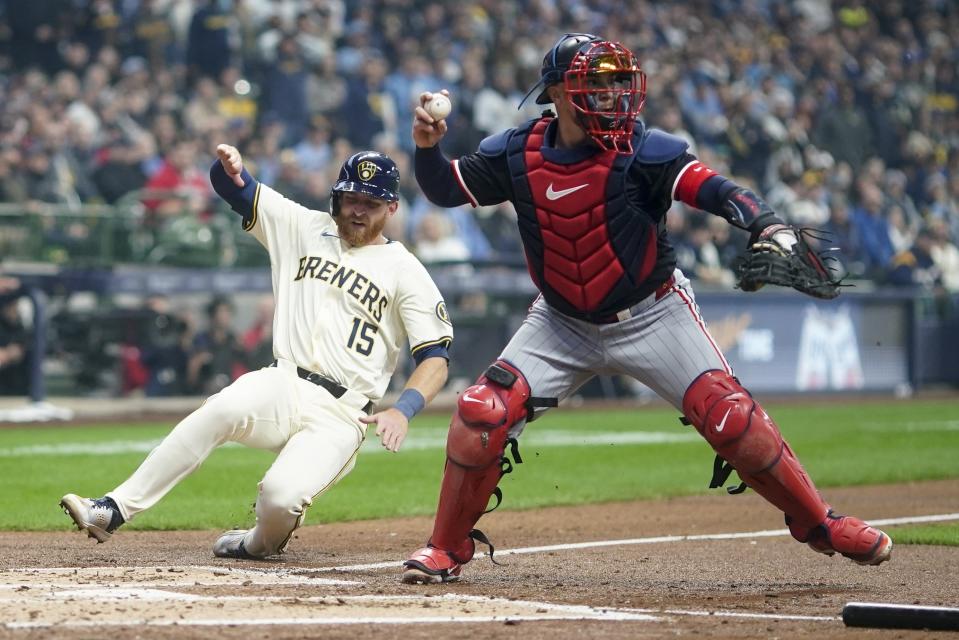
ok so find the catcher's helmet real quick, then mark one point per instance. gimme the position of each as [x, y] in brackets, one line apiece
[603, 83]
[556, 61]
[368, 172]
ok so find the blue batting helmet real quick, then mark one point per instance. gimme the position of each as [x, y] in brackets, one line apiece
[368, 172]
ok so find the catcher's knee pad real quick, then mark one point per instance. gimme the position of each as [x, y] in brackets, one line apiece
[741, 432]
[732, 422]
[485, 412]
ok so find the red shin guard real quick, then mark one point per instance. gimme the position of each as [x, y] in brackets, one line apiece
[464, 496]
[474, 450]
[738, 429]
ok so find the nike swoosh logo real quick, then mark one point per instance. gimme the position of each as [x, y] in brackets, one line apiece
[327, 234]
[556, 195]
[722, 425]
[471, 399]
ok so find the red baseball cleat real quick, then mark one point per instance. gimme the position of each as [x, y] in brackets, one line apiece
[848, 536]
[430, 565]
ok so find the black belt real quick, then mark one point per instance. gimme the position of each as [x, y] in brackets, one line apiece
[335, 388]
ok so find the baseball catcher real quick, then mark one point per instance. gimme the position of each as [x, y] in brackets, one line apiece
[592, 187]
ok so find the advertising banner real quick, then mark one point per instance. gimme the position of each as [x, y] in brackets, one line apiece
[793, 343]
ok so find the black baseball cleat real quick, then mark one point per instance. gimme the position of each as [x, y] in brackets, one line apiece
[99, 517]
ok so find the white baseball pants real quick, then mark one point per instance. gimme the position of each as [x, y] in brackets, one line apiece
[316, 438]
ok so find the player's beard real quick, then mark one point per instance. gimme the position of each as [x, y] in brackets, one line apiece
[359, 237]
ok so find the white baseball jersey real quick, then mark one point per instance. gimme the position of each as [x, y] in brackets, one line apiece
[341, 312]
[344, 312]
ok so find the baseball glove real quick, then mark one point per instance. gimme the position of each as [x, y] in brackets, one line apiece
[781, 255]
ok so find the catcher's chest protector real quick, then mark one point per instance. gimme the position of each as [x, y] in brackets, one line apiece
[565, 223]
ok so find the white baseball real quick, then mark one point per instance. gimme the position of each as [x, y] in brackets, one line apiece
[438, 106]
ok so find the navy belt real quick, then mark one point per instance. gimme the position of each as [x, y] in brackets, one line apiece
[335, 388]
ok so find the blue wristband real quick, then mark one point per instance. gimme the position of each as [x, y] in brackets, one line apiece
[410, 403]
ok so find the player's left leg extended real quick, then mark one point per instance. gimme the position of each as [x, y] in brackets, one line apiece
[313, 460]
[744, 435]
[255, 410]
[667, 347]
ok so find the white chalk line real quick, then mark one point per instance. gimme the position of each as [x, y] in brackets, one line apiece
[263, 622]
[719, 613]
[560, 612]
[256, 577]
[926, 425]
[214, 569]
[421, 441]
[435, 438]
[175, 584]
[769, 533]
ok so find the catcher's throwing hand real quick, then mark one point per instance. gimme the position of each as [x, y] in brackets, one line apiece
[427, 132]
[232, 162]
[391, 427]
[780, 255]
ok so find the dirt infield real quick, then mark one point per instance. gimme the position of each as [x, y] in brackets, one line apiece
[717, 566]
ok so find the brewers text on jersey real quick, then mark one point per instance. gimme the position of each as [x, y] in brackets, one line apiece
[354, 283]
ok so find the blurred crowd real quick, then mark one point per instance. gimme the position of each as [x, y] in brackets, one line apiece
[844, 114]
[177, 354]
[158, 346]
[14, 340]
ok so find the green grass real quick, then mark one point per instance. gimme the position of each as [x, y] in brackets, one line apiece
[840, 444]
[941, 534]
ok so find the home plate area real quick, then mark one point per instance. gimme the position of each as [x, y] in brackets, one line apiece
[67, 598]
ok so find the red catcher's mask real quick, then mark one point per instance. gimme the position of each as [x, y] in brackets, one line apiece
[607, 90]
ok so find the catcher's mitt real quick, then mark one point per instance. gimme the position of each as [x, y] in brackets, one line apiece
[767, 261]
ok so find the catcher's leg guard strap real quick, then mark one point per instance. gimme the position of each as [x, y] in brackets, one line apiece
[738, 429]
[474, 450]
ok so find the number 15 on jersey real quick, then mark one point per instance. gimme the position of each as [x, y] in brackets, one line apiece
[361, 337]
